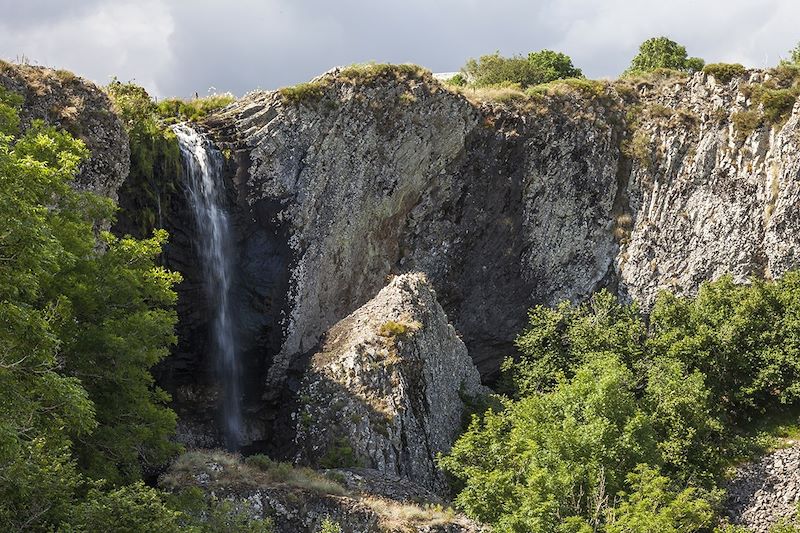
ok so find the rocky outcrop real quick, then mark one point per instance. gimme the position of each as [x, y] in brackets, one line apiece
[386, 390]
[767, 491]
[709, 198]
[638, 186]
[66, 101]
[300, 500]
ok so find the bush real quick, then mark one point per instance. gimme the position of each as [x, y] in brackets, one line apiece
[178, 110]
[155, 162]
[130, 508]
[538, 67]
[654, 505]
[458, 80]
[523, 468]
[661, 52]
[725, 72]
[746, 122]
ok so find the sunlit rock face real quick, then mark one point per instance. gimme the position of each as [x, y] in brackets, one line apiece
[387, 388]
[638, 186]
[64, 100]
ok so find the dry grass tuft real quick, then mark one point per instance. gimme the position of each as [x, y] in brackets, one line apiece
[226, 470]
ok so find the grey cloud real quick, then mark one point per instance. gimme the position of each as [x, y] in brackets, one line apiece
[178, 47]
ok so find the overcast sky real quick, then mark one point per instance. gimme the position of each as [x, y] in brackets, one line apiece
[178, 47]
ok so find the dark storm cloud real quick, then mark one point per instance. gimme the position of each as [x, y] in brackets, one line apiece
[178, 47]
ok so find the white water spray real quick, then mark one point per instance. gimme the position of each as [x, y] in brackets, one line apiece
[203, 166]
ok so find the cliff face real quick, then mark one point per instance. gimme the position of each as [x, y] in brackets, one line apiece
[711, 198]
[637, 186]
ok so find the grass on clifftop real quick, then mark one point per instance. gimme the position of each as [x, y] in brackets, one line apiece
[356, 74]
[771, 102]
[178, 110]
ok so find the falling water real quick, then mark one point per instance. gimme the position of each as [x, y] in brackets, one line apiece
[203, 165]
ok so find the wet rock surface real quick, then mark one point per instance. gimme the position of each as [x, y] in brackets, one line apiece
[766, 491]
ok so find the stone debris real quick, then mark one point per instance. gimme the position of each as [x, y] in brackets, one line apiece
[766, 491]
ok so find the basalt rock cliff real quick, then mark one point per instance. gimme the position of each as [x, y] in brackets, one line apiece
[637, 186]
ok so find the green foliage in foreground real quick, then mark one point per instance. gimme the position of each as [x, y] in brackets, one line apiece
[537, 67]
[83, 317]
[615, 423]
[661, 52]
[155, 161]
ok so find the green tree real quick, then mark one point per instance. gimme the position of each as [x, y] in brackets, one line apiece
[131, 508]
[81, 322]
[744, 339]
[37, 402]
[553, 65]
[557, 341]
[554, 455]
[121, 324]
[661, 52]
[653, 505]
[794, 55]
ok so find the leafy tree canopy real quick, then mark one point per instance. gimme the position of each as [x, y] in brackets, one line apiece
[618, 423]
[663, 53]
[83, 318]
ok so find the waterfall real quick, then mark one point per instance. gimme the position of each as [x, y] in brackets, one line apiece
[202, 166]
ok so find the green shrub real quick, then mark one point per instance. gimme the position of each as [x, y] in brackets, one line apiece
[210, 514]
[130, 508]
[329, 526]
[725, 72]
[653, 504]
[522, 468]
[536, 68]
[458, 80]
[340, 454]
[393, 328]
[155, 160]
[259, 461]
[178, 110]
[598, 390]
[746, 122]
[367, 72]
[778, 104]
